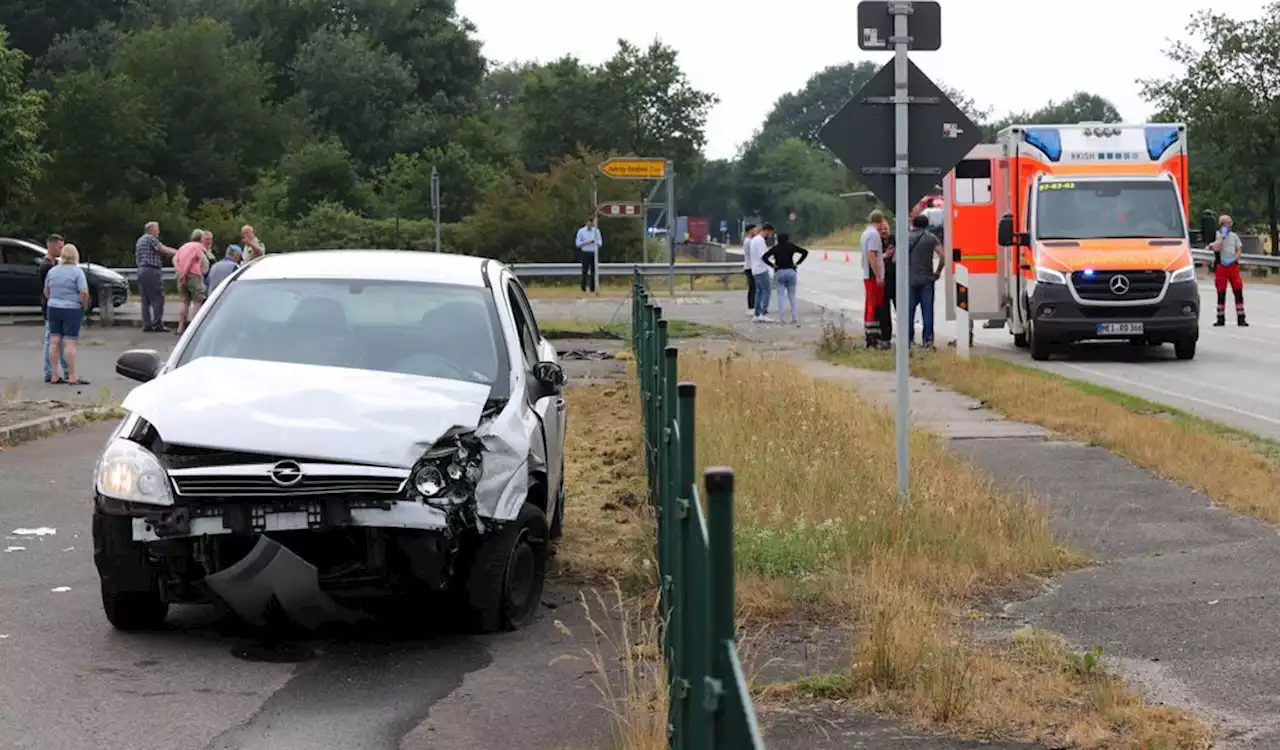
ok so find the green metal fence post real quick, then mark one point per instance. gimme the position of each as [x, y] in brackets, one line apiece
[675, 515]
[644, 363]
[696, 618]
[723, 626]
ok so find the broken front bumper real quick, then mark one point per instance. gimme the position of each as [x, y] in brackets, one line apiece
[246, 518]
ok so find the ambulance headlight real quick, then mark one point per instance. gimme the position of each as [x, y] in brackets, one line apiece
[1186, 273]
[1049, 276]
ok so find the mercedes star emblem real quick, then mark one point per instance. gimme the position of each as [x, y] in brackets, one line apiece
[1119, 285]
[286, 473]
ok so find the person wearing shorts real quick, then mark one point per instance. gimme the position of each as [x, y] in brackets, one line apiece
[67, 293]
[190, 266]
[1227, 271]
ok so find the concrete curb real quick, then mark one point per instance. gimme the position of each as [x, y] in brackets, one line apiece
[34, 429]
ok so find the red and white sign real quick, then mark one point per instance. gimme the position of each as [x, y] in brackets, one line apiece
[621, 210]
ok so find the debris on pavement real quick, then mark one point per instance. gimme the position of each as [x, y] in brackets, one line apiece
[14, 549]
[60, 589]
[41, 531]
[593, 355]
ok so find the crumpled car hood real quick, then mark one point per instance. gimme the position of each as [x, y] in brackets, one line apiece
[306, 411]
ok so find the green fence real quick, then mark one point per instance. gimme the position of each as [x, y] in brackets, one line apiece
[710, 707]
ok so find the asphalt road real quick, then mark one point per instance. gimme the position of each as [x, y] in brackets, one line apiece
[70, 681]
[1230, 380]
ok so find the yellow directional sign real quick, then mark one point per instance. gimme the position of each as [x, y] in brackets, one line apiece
[634, 168]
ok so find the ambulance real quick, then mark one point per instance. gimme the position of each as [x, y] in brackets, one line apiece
[1077, 232]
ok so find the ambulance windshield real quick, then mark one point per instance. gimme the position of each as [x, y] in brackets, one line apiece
[1108, 209]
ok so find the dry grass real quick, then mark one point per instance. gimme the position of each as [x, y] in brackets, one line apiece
[626, 667]
[582, 329]
[819, 528]
[609, 529]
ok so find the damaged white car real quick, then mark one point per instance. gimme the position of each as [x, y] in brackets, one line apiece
[335, 424]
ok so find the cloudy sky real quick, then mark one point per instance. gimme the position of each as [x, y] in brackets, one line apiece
[1000, 52]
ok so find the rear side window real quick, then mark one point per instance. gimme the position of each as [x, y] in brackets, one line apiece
[973, 182]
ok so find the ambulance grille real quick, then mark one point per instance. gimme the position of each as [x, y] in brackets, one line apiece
[1096, 287]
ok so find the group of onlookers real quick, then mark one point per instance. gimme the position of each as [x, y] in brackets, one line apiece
[762, 254]
[196, 270]
[925, 262]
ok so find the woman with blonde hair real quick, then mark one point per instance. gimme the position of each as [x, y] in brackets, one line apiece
[67, 292]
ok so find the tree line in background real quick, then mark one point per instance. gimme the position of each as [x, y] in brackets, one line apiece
[319, 121]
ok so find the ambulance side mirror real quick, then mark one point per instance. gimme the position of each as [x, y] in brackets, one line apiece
[1005, 236]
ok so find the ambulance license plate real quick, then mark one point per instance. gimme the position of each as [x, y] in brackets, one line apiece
[1119, 329]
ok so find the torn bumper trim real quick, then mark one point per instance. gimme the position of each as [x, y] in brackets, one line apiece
[401, 515]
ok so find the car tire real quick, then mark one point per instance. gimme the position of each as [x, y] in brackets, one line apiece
[507, 574]
[1040, 350]
[1185, 349]
[131, 595]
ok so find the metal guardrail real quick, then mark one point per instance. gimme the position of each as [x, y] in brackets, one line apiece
[709, 706]
[1250, 259]
[537, 270]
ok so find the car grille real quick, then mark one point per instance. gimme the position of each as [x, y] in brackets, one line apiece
[1143, 285]
[264, 487]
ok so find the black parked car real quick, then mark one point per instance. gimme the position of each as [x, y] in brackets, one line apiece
[20, 276]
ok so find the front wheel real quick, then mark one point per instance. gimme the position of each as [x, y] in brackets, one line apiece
[1039, 346]
[508, 572]
[131, 595]
[1185, 349]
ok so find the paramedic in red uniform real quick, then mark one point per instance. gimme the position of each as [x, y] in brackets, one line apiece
[1227, 271]
[873, 279]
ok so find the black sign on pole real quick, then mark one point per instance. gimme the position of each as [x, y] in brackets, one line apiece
[875, 26]
[861, 134]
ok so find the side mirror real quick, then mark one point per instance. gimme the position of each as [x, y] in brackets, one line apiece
[1004, 234]
[141, 365]
[550, 378]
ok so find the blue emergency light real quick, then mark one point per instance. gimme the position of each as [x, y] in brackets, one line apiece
[1159, 139]
[1048, 140]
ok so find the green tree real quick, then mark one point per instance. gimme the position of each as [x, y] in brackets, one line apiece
[100, 135]
[21, 158]
[319, 171]
[211, 98]
[1229, 91]
[801, 114]
[1079, 107]
[358, 90]
[560, 109]
[648, 95]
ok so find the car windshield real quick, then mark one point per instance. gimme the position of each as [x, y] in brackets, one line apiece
[435, 330]
[1108, 209]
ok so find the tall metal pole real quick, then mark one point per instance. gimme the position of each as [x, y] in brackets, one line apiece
[671, 227]
[901, 211]
[595, 203]
[435, 202]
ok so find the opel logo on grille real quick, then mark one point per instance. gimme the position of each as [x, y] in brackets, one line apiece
[1119, 285]
[286, 473]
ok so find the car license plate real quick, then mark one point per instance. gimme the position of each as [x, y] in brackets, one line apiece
[1119, 329]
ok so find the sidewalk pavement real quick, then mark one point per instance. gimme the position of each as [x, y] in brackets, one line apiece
[1186, 598]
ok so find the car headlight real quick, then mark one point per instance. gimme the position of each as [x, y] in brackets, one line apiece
[448, 474]
[1049, 276]
[131, 473]
[1186, 273]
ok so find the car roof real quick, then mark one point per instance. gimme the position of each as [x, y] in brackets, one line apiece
[28, 244]
[370, 265]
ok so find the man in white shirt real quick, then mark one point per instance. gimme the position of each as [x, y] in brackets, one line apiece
[757, 246]
[747, 234]
[589, 243]
[872, 278]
